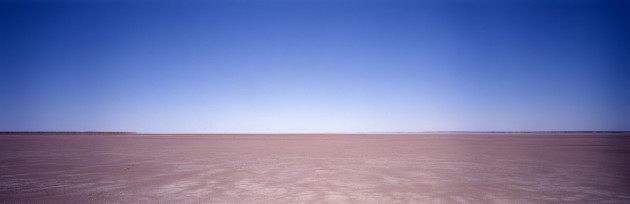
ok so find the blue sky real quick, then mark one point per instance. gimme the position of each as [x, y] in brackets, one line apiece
[314, 66]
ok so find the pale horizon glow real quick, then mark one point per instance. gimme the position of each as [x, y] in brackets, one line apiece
[314, 67]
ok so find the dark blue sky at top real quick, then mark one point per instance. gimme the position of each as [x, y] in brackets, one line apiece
[314, 66]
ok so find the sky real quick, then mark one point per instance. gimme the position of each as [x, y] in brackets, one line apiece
[314, 66]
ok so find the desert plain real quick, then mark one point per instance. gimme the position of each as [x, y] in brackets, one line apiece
[315, 168]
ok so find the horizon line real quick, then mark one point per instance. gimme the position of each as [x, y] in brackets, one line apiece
[303, 133]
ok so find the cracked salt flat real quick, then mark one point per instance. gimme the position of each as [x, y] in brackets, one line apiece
[315, 169]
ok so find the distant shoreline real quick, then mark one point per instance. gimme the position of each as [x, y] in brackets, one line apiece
[66, 133]
[360, 133]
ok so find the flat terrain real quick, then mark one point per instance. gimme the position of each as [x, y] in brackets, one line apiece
[420, 168]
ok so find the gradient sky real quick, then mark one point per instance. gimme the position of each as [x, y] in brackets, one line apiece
[314, 66]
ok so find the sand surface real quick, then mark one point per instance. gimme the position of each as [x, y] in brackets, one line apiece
[438, 168]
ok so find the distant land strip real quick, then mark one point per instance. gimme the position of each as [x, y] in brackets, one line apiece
[426, 132]
[66, 133]
[509, 132]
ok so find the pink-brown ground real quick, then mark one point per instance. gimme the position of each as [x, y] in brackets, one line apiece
[329, 168]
